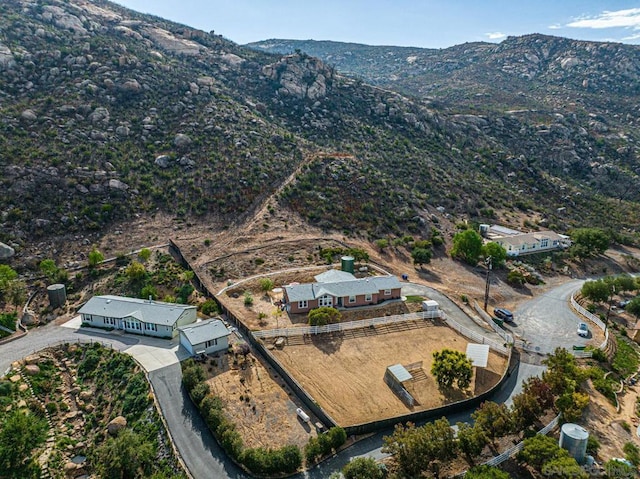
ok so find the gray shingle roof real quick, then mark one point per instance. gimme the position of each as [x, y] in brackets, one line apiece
[155, 312]
[341, 289]
[207, 330]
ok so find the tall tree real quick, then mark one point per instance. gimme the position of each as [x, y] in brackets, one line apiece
[128, 455]
[497, 252]
[589, 242]
[494, 419]
[449, 366]
[421, 256]
[467, 246]
[19, 435]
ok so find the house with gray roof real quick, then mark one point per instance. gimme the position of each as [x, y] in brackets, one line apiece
[204, 337]
[340, 289]
[139, 316]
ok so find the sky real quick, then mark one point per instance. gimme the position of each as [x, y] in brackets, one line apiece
[419, 23]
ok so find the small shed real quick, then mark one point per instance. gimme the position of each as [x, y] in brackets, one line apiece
[205, 337]
[394, 377]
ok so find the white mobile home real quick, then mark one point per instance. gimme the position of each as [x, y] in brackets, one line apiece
[140, 316]
[205, 337]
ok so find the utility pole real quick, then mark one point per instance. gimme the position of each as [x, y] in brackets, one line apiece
[489, 263]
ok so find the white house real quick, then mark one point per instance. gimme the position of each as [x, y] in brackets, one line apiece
[140, 316]
[518, 243]
[205, 337]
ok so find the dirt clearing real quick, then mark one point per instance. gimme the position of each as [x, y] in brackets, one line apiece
[258, 400]
[344, 374]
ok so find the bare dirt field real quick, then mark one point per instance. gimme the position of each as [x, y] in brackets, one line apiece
[261, 405]
[344, 374]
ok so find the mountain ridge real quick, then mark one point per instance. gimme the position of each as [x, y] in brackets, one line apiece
[107, 114]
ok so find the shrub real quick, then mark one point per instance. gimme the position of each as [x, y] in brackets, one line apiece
[248, 298]
[192, 374]
[266, 284]
[199, 392]
[209, 307]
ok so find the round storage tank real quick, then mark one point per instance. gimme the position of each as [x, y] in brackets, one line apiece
[348, 264]
[574, 438]
[57, 295]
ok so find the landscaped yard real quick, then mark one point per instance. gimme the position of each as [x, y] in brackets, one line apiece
[344, 374]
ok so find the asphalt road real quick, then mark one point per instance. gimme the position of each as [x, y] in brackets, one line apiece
[547, 322]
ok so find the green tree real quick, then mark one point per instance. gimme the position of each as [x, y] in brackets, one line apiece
[525, 410]
[562, 374]
[266, 284]
[359, 255]
[497, 252]
[421, 256]
[540, 449]
[471, 440]
[192, 374]
[144, 254]
[416, 450]
[324, 315]
[494, 419]
[588, 242]
[19, 435]
[49, 269]
[597, 291]
[128, 455]
[516, 278]
[634, 307]
[148, 291]
[625, 282]
[564, 467]
[485, 472]
[136, 271]
[449, 366]
[363, 468]
[572, 404]
[381, 244]
[209, 307]
[199, 391]
[337, 436]
[95, 257]
[467, 246]
[7, 274]
[16, 293]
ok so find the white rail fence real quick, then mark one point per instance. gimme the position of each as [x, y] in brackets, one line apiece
[371, 323]
[593, 318]
[497, 460]
[348, 325]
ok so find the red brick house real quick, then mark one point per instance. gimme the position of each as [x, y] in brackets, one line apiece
[340, 289]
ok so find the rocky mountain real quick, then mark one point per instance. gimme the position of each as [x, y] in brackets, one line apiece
[107, 114]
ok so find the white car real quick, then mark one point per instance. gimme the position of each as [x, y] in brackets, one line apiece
[583, 330]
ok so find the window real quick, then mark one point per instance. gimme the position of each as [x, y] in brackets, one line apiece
[304, 304]
[387, 292]
[368, 297]
[544, 243]
[87, 317]
[325, 301]
[213, 342]
[352, 299]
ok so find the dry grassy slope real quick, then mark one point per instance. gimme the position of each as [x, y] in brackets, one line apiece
[113, 119]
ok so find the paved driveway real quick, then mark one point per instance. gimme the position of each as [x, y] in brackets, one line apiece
[547, 322]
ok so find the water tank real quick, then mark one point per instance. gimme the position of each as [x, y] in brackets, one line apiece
[57, 295]
[348, 264]
[574, 438]
[484, 229]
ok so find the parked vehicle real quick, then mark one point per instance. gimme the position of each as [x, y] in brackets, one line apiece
[623, 304]
[583, 330]
[503, 314]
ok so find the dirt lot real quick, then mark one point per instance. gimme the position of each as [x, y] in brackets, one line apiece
[345, 374]
[262, 406]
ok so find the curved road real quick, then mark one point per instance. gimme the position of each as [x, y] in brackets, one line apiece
[546, 322]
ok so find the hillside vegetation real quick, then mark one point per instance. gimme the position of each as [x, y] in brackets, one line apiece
[107, 114]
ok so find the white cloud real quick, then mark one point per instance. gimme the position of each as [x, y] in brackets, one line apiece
[496, 35]
[555, 26]
[635, 36]
[629, 18]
